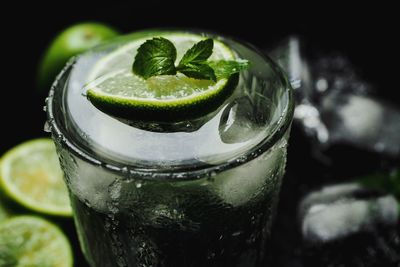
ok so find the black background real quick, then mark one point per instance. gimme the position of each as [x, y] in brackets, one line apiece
[367, 35]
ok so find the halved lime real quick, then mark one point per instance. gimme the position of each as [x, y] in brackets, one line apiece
[30, 174]
[115, 89]
[32, 241]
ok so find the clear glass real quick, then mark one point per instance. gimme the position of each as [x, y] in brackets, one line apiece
[201, 192]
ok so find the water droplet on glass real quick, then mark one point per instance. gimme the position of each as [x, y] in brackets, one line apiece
[321, 85]
[47, 127]
[210, 255]
[237, 233]
[124, 170]
[107, 225]
[211, 176]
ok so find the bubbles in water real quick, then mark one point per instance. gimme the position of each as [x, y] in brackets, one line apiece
[138, 184]
[115, 189]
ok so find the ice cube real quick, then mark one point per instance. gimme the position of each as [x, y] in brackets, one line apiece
[255, 178]
[240, 120]
[338, 211]
[90, 183]
[363, 122]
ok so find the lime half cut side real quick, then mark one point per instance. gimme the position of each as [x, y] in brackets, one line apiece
[30, 175]
[32, 241]
[116, 90]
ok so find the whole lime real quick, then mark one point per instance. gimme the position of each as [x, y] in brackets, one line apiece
[72, 41]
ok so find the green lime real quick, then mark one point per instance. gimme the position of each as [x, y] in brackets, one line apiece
[72, 41]
[30, 174]
[32, 241]
[116, 90]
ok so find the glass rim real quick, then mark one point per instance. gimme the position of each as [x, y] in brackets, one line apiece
[189, 173]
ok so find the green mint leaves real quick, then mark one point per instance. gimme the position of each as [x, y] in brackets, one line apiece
[157, 57]
[194, 62]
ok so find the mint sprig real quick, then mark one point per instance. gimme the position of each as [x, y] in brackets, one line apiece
[157, 57]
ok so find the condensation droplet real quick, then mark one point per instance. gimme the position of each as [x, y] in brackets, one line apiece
[47, 127]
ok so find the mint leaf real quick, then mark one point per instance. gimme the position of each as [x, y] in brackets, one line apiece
[225, 68]
[200, 71]
[194, 62]
[198, 53]
[155, 57]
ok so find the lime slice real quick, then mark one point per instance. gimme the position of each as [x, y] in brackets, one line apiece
[30, 174]
[32, 241]
[114, 88]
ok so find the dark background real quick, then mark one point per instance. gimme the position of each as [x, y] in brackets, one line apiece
[367, 35]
